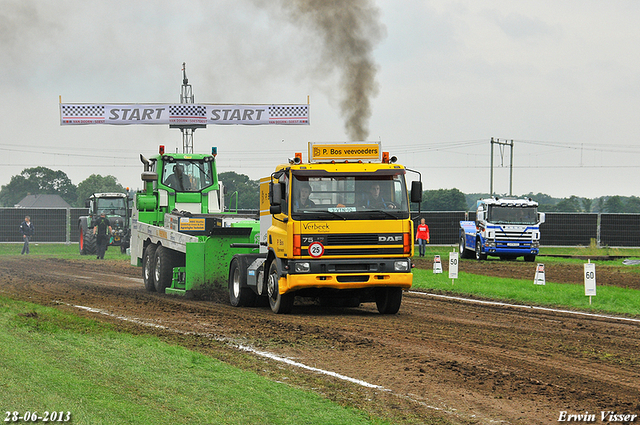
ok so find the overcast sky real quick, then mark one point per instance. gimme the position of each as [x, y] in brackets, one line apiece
[559, 78]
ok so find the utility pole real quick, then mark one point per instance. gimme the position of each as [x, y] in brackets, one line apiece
[502, 144]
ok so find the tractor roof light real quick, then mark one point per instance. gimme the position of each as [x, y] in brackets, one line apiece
[161, 150]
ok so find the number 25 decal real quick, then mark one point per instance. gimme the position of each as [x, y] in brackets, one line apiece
[316, 249]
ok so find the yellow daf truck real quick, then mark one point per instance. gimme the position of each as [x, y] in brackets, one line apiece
[336, 228]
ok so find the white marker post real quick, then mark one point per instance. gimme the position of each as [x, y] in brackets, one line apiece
[590, 280]
[453, 266]
[437, 264]
[539, 278]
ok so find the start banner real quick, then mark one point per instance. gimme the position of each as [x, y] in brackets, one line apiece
[182, 114]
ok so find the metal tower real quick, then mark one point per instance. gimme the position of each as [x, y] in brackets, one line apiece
[186, 96]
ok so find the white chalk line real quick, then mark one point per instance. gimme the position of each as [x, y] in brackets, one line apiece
[530, 307]
[264, 354]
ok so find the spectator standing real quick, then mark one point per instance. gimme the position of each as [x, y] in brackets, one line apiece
[422, 236]
[102, 230]
[27, 230]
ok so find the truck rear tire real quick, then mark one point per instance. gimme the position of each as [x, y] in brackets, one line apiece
[462, 248]
[165, 261]
[148, 263]
[530, 258]
[87, 242]
[279, 303]
[388, 300]
[239, 294]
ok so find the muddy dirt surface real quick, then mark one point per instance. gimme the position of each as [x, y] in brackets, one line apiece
[437, 361]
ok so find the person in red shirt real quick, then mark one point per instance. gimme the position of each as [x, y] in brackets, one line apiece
[422, 236]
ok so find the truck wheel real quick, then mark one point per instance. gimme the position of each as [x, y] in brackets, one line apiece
[87, 243]
[530, 258]
[279, 303]
[239, 294]
[479, 255]
[148, 263]
[388, 300]
[462, 248]
[165, 261]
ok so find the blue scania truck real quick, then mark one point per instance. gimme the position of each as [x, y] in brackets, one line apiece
[505, 228]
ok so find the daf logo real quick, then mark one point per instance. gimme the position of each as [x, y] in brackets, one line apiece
[390, 238]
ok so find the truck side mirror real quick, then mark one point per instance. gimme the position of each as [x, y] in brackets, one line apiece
[275, 194]
[416, 191]
[87, 203]
[480, 216]
[149, 176]
[541, 218]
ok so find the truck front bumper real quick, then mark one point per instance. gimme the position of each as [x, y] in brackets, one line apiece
[347, 274]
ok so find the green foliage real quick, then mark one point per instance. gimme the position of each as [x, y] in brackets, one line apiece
[614, 205]
[572, 204]
[36, 181]
[96, 183]
[443, 200]
[248, 191]
[55, 361]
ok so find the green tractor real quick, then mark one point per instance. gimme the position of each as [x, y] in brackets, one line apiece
[116, 207]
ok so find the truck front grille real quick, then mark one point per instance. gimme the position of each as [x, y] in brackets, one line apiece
[356, 244]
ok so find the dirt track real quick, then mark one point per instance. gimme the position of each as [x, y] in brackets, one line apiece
[442, 359]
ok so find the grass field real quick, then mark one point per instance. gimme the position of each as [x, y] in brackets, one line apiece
[57, 362]
[609, 299]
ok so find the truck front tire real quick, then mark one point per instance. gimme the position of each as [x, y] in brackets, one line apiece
[388, 300]
[479, 255]
[279, 303]
[148, 263]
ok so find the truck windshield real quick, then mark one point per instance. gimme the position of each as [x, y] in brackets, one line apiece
[350, 196]
[512, 215]
[187, 175]
[112, 206]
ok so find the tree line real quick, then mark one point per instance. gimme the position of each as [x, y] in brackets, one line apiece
[243, 193]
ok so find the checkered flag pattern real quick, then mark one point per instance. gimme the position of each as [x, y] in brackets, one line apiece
[83, 111]
[294, 111]
[188, 111]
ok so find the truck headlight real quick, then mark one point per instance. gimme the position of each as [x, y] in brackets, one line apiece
[490, 243]
[402, 266]
[302, 268]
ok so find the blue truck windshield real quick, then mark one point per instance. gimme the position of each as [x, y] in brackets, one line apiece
[512, 215]
[354, 196]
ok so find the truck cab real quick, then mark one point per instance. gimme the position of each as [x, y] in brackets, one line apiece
[181, 182]
[504, 227]
[336, 228]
